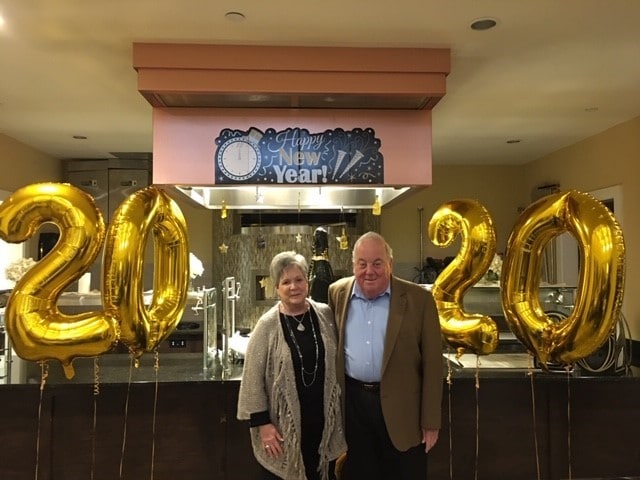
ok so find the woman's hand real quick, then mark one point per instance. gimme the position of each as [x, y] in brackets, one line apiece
[271, 439]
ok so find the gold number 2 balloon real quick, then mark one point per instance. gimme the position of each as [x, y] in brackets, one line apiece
[147, 210]
[38, 330]
[601, 280]
[464, 331]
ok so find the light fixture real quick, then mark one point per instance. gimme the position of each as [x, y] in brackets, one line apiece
[259, 196]
[234, 16]
[223, 210]
[343, 240]
[513, 140]
[483, 24]
[376, 209]
[79, 137]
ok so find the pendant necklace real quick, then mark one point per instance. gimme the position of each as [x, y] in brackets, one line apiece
[311, 374]
[300, 326]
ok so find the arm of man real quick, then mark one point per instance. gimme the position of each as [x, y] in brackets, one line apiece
[432, 372]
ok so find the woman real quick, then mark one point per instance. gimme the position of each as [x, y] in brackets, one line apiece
[289, 391]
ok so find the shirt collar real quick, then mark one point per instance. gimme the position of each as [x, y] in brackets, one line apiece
[357, 292]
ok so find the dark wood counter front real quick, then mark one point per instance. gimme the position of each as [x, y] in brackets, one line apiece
[197, 436]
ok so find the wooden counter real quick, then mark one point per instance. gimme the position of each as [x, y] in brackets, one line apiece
[197, 436]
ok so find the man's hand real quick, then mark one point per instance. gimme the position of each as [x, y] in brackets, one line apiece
[429, 438]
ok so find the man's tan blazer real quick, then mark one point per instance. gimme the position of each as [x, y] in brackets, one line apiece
[412, 365]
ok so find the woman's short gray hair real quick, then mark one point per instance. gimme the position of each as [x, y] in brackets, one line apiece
[284, 260]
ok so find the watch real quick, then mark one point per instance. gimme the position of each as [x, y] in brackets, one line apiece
[239, 158]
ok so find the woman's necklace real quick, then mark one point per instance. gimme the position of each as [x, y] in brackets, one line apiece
[312, 374]
[300, 326]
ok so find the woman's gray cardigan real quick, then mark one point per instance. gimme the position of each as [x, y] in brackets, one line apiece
[269, 384]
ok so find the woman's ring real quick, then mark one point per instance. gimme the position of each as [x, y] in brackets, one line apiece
[267, 446]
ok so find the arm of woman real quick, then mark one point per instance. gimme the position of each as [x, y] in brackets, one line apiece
[271, 439]
[252, 397]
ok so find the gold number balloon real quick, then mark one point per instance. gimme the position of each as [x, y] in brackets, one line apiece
[600, 285]
[38, 330]
[147, 210]
[468, 218]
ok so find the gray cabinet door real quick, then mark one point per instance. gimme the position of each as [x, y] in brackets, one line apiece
[122, 183]
[96, 184]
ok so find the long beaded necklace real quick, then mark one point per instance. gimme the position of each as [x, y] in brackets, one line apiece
[303, 371]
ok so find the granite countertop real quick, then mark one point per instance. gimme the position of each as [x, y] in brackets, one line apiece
[119, 368]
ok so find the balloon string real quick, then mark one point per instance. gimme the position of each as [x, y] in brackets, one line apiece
[449, 383]
[126, 414]
[156, 367]
[568, 370]
[96, 392]
[477, 414]
[44, 373]
[533, 409]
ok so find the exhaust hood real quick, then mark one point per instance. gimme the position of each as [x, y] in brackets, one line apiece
[291, 198]
[252, 76]
[200, 92]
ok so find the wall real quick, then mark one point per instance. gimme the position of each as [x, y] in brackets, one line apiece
[604, 160]
[200, 232]
[34, 165]
[486, 184]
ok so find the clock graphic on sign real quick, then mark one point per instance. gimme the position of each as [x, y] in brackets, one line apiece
[239, 157]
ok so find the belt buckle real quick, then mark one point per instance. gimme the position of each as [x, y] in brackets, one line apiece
[370, 387]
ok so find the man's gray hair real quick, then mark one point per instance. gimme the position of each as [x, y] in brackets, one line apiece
[372, 236]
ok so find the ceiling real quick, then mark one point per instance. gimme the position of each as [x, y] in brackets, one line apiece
[549, 74]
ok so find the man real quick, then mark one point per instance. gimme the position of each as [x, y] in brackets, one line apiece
[390, 357]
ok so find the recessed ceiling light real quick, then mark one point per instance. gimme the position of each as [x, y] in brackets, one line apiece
[591, 109]
[483, 24]
[234, 16]
[514, 140]
[80, 137]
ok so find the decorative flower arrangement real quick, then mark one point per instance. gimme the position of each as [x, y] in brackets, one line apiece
[16, 269]
[495, 269]
[196, 269]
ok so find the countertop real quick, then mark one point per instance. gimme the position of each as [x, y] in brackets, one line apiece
[120, 368]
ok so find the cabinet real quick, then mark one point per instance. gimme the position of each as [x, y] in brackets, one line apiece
[110, 182]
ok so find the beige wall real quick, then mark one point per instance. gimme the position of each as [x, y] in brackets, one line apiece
[23, 165]
[500, 189]
[608, 159]
[200, 232]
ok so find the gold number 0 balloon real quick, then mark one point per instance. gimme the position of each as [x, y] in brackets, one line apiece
[149, 209]
[38, 330]
[600, 285]
[464, 331]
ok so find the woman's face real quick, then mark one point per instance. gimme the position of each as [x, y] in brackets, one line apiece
[293, 288]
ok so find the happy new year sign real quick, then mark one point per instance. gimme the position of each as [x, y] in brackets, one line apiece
[297, 156]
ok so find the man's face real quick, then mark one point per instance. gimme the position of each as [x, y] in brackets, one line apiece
[372, 268]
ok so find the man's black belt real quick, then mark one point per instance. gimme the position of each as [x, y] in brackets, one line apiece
[366, 386]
